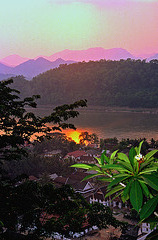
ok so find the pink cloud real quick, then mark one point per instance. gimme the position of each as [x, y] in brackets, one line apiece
[101, 2]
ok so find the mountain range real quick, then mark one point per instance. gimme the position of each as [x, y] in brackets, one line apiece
[32, 68]
[17, 65]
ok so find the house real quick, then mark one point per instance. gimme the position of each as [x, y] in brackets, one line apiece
[93, 145]
[86, 188]
[76, 155]
[59, 181]
[144, 231]
[93, 153]
[52, 153]
[87, 159]
[53, 176]
[99, 196]
[33, 178]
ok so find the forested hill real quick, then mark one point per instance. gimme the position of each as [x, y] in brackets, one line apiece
[132, 83]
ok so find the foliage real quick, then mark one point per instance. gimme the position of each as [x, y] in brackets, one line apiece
[17, 126]
[133, 177]
[131, 83]
[37, 165]
[87, 138]
[30, 207]
[58, 141]
[43, 210]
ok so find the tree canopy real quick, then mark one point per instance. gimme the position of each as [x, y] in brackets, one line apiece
[17, 126]
[130, 83]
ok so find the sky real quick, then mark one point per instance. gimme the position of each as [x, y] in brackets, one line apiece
[42, 27]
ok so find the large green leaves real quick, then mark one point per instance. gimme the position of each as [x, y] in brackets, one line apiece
[131, 177]
[148, 208]
[136, 195]
[138, 149]
[113, 155]
[132, 154]
[117, 180]
[126, 192]
[114, 190]
[150, 154]
[145, 189]
[82, 165]
[151, 180]
[123, 156]
[104, 159]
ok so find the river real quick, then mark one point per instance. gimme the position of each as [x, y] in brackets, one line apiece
[114, 123]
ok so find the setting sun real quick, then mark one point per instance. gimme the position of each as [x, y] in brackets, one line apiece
[74, 135]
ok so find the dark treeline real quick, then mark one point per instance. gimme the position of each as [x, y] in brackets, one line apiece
[131, 83]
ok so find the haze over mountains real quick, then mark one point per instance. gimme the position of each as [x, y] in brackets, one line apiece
[17, 65]
[32, 68]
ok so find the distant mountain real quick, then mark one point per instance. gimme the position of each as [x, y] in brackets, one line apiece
[153, 57]
[92, 54]
[5, 76]
[13, 60]
[5, 69]
[32, 68]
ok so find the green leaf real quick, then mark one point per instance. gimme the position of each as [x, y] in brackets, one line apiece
[104, 159]
[136, 167]
[150, 154]
[1, 224]
[81, 165]
[149, 170]
[145, 189]
[126, 191]
[104, 179]
[147, 162]
[148, 208]
[126, 165]
[99, 160]
[123, 157]
[115, 167]
[114, 190]
[140, 146]
[136, 195]
[95, 168]
[151, 180]
[121, 175]
[116, 181]
[113, 154]
[116, 196]
[132, 154]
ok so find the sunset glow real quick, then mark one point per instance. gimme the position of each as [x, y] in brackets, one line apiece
[42, 27]
[74, 135]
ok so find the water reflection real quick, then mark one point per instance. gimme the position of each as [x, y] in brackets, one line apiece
[114, 124]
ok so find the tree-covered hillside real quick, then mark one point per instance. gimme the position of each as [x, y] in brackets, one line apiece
[132, 83]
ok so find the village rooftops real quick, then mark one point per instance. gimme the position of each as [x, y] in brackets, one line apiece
[76, 154]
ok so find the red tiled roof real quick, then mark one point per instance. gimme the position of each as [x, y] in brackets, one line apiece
[87, 158]
[32, 178]
[61, 180]
[78, 176]
[77, 153]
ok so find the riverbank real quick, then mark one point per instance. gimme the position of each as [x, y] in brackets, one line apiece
[91, 108]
